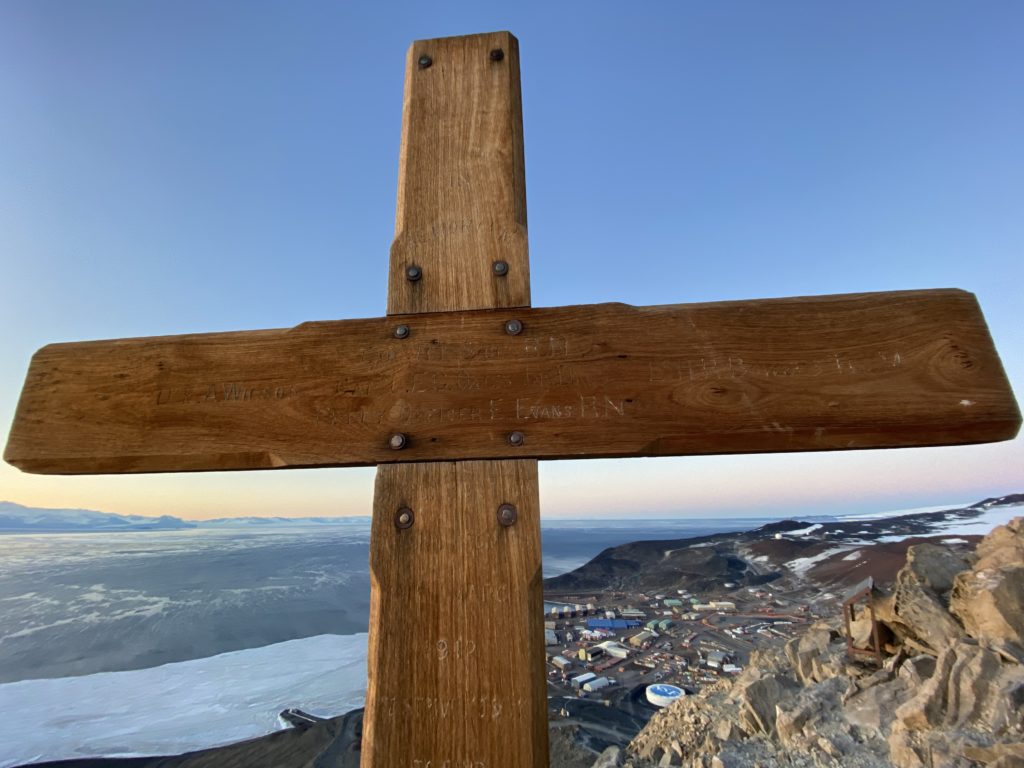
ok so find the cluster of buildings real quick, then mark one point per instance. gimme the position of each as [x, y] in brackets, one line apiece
[678, 640]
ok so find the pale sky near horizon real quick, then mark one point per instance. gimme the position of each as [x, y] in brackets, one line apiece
[181, 167]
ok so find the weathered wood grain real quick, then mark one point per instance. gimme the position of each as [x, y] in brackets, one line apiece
[461, 180]
[456, 647]
[824, 373]
[456, 642]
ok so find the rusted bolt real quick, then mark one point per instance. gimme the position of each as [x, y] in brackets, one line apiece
[402, 332]
[404, 518]
[500, 268]
[516, 438]
[413, 273]
[424, 61]
[513, 327]
[507, 515]
[398, 441]
[497, 54]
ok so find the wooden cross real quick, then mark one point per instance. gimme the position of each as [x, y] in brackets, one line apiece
[462, 387]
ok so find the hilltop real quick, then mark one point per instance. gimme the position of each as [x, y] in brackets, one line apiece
[833, 552]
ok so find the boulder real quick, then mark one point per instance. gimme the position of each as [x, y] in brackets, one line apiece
[973, 684]
[989, 599]
[758, 699]
[871, 709]
[917, 669]
[610, 758]
[726, 730]
[1011, 754]
[917, 608]
[933, 566]
[1002, 547]
[990, 603]
[924, 749]
[813, 657]
[928, 708]
[972, 688]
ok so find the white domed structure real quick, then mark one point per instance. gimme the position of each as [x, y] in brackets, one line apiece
[661, 694]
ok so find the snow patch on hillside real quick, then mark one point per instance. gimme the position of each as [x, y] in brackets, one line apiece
[801, 565]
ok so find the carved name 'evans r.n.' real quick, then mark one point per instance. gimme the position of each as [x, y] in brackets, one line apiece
[854, 371]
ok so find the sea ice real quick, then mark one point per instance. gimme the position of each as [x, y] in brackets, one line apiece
[181, 706]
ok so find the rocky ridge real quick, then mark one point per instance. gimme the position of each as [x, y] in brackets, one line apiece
[826, 552]
[950, 693]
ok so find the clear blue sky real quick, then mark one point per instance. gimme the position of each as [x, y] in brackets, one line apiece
[175, 167]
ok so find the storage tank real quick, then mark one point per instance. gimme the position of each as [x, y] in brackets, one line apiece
[662, 694]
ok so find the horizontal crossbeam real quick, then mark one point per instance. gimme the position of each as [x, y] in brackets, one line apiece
[822, 373]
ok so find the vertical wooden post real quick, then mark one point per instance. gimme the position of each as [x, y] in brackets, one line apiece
[456, 662]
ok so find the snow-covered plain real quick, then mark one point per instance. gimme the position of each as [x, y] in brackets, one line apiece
[978, 526]
[182, 706]
[901, 512]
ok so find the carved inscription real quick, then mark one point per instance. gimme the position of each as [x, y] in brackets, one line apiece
[886, 370]
[406, 413]
[469, 381]
[583, 407]
[456, 649]
[736, 368]
[528, 347]
[442, 708]
[229, 392]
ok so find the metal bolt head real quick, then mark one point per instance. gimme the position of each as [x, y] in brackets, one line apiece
[516, 438]
[404, 518]
[497, 54]
[413, 273]
[397, 441]
[500, 268]
[402, 332]
[424, 61]
[513, 327]
[507, 515]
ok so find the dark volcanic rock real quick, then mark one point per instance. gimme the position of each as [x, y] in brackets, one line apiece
[696, 564]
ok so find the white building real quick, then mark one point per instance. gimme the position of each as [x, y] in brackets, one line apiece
[596, 684]
[579, 682]
[612, 648]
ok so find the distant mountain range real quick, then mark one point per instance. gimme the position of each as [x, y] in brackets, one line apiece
[16, 518]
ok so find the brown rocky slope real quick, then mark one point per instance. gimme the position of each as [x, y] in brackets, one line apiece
[950, 693]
